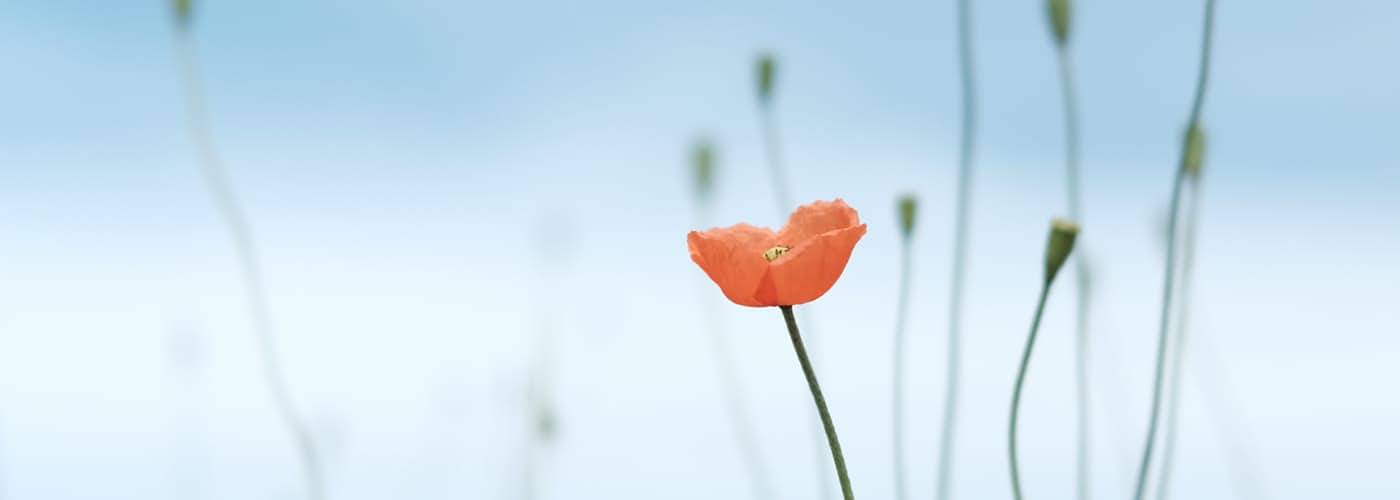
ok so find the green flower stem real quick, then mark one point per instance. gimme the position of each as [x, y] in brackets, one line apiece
[901, 318]
[736, 407]
[955, 298]
[1081, 285]
[820, 401]
[1016, 393]
[216, 179]
[1144, 467]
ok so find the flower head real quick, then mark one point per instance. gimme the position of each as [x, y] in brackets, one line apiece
[757, 267]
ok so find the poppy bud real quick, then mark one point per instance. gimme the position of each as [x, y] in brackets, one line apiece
[1062, 234]
[907, 206]
[703, 159]
[182, 12]
[1195, 150]
[766, 67]
[1059, 19]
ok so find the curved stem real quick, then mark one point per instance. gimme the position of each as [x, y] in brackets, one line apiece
[773, 147]
[1016, 393]
[820, 401]
[955, 297]
[1178, 347]
[744, 435]
[1081, 319]
[901, 318]
[1144, 467]
[216, 180]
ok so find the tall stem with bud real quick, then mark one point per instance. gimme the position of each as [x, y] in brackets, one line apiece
[766, 76]
[907, 206]
[1191, 153]
[1060, 23]
[741, 424]
[221, 190]
[1061, 243]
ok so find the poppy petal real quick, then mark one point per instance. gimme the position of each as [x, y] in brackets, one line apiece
[808, 271]
[814, 219]
[733, 258]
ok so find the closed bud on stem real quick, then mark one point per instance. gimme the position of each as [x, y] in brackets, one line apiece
[182, 12]
[703, 162]
[1059, 19]
[1195, 150]
[767, 66]
[908, 205]
[1062, 234]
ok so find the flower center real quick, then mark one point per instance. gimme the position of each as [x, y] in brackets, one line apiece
[775, 252]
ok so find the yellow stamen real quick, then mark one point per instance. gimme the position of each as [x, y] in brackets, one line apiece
[774, 253]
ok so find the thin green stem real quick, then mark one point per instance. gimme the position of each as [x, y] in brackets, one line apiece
[901, 318]
[1178, 347]
[744, 435]
[216, 180]
[1144, 467]
[1016, 392]
[827, 425]
[960, 230]
[773, 147]
[1081, 285]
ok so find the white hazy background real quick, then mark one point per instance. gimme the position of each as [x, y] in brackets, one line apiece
[432, 184]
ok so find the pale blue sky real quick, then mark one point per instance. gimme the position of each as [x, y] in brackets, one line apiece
[399, 159]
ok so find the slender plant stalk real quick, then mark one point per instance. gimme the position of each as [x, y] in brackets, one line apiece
[1081, 272]
[820, 401]
[216, 180]
[1178, 347]
[1144, 467]
[773, 147]
[960, 230]
[737, 408]
[900, 321]
[1016, 393]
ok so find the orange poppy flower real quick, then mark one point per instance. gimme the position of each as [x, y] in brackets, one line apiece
[757, 267]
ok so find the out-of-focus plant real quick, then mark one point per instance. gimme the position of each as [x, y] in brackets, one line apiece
[1192, 152]
[1057, 250]
[239, 228]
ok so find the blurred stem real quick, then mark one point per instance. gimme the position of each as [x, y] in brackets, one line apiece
[901, 318]
[221, 190]
[773, 147]
[1016, 392]
[1081, 281]
[1144, 467]
[739, 421]
[960, 229]
[820, 401]
[1178, 347]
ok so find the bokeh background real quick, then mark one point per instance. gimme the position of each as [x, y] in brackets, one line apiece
[435, 186]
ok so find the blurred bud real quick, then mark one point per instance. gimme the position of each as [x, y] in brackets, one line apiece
[907, 206]
[766, 67]
[546, 425]
[182, 12]
[1059, 20]
[1062, 234]
[703, 158]
[1195, 150]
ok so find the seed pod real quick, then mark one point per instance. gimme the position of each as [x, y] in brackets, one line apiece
[1062, 234]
